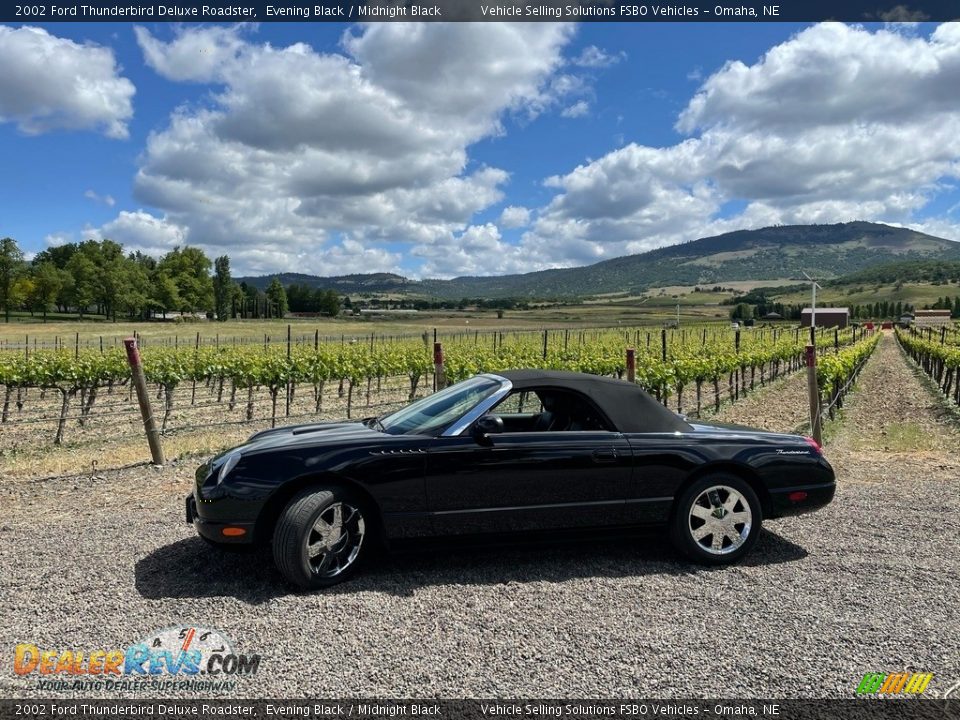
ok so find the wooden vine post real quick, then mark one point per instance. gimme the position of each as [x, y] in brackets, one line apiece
[814, 392]
[440, 379]
[143, 397]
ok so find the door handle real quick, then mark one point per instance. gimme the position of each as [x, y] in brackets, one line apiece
[604, 456]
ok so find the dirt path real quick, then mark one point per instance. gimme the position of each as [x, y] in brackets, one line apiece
[894, 427]
[780, 406]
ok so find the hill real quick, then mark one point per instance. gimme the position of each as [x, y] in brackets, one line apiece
[785, 251]
[915, 271]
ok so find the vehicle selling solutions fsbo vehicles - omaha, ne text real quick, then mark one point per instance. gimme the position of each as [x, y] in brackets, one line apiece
[522, 450]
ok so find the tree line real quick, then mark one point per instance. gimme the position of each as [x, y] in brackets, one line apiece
[99, 277]
[758, 306]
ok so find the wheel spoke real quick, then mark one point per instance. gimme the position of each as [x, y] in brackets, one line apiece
[701, 532]
[315, 549]
[322, 567]
[337, 517]
[322, 526]
[739, 517]
[701, 512]
[731, 503]
[717, 543]
[735, 537]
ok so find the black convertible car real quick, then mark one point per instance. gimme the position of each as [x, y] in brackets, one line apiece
[497, 453]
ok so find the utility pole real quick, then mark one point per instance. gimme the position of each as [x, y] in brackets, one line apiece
[813, 309]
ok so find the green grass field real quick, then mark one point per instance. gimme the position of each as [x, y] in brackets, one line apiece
[64, 329]
[917, 294]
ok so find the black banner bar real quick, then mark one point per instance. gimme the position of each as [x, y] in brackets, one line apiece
[854, 709]
[43, 11]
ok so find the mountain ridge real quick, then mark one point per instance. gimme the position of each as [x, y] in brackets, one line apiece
[780, 251]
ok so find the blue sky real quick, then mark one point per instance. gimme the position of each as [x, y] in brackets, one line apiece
[469, 149]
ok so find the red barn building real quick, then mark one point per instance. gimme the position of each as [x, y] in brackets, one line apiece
[826, 317]
[931, 318]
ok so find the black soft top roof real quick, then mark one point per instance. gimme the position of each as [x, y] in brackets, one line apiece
[627, 406]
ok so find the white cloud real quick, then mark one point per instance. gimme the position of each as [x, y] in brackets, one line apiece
[105, 199]
[139, 230]
[838, 123]
[478, 250]
[198, 54]
[156, 236]
[58, 238]
[515, 216]
[594, 57]
[833, 75]
[51, 83]
[578, 109]
[322, 160]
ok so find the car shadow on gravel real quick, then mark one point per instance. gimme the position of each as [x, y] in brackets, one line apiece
[192, 569]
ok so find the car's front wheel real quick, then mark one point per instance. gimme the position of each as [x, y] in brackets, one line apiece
[321, 537]
[716, 520]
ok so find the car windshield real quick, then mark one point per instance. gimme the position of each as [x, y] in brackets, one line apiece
[435, 412]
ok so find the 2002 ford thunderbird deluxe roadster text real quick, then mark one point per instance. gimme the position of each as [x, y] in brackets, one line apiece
[514, 451]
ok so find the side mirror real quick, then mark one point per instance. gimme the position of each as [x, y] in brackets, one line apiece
[487, 425]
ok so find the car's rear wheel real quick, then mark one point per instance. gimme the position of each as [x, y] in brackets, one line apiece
[716, 520]
[321, 537]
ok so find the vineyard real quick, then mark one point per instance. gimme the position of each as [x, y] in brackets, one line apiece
[937, 353]
[74, 395]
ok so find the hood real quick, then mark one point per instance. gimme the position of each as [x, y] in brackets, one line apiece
[311, 434]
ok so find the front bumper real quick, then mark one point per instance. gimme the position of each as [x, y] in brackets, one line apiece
[218, 532]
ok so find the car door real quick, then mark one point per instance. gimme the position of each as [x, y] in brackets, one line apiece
[661, 464]
[527, 480]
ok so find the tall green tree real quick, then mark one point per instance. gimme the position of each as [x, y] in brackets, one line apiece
[48, 280]
[111, 275]
[137, 297]
[59, 255]
[222, 287]
[11, 265]
[165, 295]
[277, 298]
[83, 290]
[236, 300]
[253, 301]
[328, 302]
[189, 269]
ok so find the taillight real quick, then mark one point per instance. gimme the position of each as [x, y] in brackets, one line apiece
[814, 444]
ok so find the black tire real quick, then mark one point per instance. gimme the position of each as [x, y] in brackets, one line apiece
[347, 544]
[685, 524]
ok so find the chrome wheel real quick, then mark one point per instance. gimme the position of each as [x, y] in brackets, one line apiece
[720, 520]
[335, 539]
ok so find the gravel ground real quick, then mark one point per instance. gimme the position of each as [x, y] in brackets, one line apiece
[867, 584]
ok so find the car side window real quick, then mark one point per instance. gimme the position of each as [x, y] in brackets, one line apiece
[548, 410]
[520, 402]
